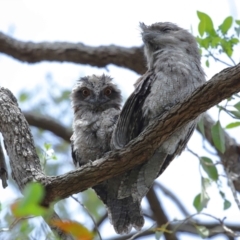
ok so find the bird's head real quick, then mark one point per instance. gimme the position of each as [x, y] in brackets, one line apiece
[96, 93]
[167, 36]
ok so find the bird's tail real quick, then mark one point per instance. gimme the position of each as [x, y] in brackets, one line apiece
[123, 213]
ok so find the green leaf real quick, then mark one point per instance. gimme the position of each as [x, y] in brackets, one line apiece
[209, 168]
[64, 96]
[237, 106]
[226, 204]
[200, 201]
[235, 113]
[215, 41]
[23, 97]
[222, 194]
[197, 203]
[207, 63]
[206, 24]
[202, 231]
[47, 146]
[234, 41]
[227, 47]
[33, 193]
[201, 126]
[237, 22]
[225, 26]
[30, 203]
[232, 125]
[237, 30]
[218, 137]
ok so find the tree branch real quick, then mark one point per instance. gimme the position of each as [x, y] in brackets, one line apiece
[48, 123]
[159, 214]
[174, 198]
[101, 56]
[214, 229]
[20, 147]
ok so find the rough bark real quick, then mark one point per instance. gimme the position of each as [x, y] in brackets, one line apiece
[131, 58]
[31, 52]
[25, 163]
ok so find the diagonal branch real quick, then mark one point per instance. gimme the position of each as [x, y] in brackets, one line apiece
[48, 123]
[173, 197]
[159, 214]
[73, 52]
[20, 147]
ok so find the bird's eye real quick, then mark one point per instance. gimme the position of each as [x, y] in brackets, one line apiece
[85, 92]
[108, 91]
[166, 29]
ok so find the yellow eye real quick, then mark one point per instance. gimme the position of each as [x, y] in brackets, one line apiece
[85, 92]
[108, 91]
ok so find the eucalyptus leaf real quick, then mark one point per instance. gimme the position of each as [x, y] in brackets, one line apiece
[197, 203]
[218, 136]
[237, 106]
[201, 126]
[209, 168]
[233, 125]
[226, 204]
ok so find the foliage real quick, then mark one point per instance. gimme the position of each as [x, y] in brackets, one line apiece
[213, 42]
[222, 40]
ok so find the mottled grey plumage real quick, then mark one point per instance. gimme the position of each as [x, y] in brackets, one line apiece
[96, 103]
[174, 72]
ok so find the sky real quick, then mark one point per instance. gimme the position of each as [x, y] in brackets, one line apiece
[105, 22]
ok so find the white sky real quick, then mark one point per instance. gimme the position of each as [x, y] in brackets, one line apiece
[102, 23]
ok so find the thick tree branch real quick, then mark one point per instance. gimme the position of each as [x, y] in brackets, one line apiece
[20, 146]
[102, 56]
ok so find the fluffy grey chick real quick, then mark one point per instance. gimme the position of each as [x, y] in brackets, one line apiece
[96, 103]
[174, 72]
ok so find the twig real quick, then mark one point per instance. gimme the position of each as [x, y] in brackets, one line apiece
[219, 60]
[96, 227]
[230, 177]
[172, 197]
[14, 223]
[141, 232]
